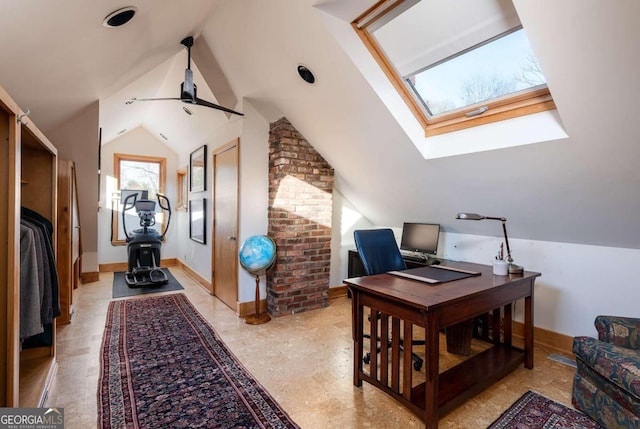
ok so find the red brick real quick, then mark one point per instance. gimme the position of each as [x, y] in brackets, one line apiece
[299, 221]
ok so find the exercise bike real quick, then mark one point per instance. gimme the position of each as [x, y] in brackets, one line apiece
[143, 244]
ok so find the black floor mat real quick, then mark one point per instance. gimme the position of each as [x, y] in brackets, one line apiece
[121, 289]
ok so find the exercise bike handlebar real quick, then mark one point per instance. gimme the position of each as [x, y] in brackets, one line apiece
[164, 204]
[127, 206]
[130, 202]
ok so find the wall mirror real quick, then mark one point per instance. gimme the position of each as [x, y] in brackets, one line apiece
[198, 169]
[198, 220]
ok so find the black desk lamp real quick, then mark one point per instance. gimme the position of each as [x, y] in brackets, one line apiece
[513, 268]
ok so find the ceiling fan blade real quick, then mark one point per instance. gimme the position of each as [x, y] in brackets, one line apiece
[202, 102]
[188, 89]
[130, 101]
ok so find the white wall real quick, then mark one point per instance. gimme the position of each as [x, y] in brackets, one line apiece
[77, 140]
[254, 192]
[197, 256]
[135, 142]
[578, 281]
[345, 220]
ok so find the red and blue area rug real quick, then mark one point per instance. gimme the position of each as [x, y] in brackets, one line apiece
[163, 366]
[534, 411]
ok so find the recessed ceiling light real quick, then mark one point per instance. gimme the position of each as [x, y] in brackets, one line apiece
[119, 17]
[122, 131]
[163, 136]
[306, 74]
[187, 111]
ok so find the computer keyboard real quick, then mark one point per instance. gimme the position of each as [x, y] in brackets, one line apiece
[414, 258]
[421, 259]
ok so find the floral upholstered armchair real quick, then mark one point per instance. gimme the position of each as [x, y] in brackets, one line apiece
[607, 382]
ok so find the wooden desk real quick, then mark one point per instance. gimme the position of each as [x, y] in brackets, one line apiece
[394, 299]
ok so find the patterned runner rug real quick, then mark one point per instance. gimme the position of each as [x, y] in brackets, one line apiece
[163, 366]
[534, 411]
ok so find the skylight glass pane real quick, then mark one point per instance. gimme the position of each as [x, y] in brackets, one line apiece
[500, 67]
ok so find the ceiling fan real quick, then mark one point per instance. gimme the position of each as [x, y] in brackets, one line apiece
[188, 88]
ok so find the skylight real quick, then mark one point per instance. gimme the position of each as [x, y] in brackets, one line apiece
[502, 66]
[456, 64]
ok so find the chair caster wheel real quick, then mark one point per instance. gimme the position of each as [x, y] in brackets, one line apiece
[417, 366]
[367, 358]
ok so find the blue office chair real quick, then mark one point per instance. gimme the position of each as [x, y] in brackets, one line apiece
[379, 253]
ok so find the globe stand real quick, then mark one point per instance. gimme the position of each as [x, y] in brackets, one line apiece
[257, 318]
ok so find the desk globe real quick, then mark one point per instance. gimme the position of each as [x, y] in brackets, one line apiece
[257, 254]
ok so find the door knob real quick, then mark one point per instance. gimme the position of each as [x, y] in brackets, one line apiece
[231, 237]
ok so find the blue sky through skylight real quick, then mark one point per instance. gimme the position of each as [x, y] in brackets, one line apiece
[487, 72]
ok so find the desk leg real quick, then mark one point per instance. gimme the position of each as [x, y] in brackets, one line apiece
[528, 330]
[384, 349]
[496, 326]
[395, 354]
[431, 365]
[508, 325]
[407, 367]
[357, 314]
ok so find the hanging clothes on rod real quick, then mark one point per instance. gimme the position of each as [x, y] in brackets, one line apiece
[30, 290]
[41, 281]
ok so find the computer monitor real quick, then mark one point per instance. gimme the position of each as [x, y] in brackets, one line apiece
[420, 237]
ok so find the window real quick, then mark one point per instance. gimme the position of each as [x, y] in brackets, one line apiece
[181, 204]
[136, 173]
[456, 66]
[473, 78]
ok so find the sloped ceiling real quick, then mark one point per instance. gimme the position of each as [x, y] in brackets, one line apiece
[57, 58]
[582, 189]
[163, 117]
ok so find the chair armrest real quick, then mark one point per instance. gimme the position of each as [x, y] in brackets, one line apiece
[609, 364]
[620, 331]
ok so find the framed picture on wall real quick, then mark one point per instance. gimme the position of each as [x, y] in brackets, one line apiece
[198, 220]
[198, 169]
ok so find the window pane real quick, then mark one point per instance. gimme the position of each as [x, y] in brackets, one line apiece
[140, 175]
[503, 66]
[182, 189]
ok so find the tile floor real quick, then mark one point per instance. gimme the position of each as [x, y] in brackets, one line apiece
[303, 360]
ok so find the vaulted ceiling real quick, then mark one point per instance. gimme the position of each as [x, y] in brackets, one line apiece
[58, 58]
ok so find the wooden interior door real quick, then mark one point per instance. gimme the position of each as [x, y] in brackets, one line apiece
[225, 224]
[68, 238]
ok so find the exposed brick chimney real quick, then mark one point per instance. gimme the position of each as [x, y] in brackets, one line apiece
[300, 202]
